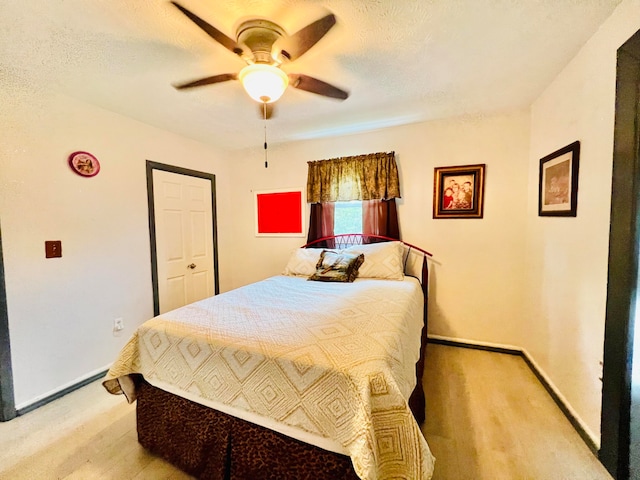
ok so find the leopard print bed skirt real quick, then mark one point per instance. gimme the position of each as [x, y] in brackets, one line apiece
[211, 445]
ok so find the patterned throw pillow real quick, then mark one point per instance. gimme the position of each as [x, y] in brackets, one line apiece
[383, 260]
[337, 266]
[303, 261]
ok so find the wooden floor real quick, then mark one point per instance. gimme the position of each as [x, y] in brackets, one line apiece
[488, 417]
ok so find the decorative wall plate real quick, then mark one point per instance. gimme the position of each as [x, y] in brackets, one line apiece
[84, 164]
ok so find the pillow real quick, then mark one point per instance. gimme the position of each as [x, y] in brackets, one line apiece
[337, 266]
[303, 261]
[382, 260]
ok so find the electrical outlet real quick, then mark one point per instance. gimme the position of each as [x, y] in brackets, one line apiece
[118, 325]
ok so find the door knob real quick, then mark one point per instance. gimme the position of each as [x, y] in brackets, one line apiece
[192, 266]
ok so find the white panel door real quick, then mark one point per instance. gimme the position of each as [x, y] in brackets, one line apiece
[184, 238]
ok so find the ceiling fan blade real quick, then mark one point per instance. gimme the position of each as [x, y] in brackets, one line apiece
[266, 110]
[212, 31]
[313, 85]
[225, 77]
[297, 44]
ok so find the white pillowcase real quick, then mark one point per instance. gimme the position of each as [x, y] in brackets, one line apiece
[381, 260]
[303, 262]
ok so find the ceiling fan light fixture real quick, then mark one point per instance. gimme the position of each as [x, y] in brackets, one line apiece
[262, 82]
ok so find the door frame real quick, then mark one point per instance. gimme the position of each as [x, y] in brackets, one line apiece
[7, 399]
[151, 166]
[622, 285]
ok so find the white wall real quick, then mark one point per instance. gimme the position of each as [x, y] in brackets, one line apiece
[566, 269]
[61, 311]
[477, 274]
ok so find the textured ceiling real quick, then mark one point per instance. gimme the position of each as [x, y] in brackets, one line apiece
[402, 61]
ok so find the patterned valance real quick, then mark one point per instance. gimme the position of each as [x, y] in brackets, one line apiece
[363, 177]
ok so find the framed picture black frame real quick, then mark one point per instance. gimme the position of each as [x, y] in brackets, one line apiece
[458, 192]
[558, 182]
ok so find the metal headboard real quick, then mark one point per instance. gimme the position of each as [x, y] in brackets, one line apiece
[348, 239]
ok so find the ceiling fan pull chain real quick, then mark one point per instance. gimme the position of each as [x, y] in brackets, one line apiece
[264, 108]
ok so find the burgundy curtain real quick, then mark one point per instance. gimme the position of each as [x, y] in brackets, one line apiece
[321, 223]
[380, 217]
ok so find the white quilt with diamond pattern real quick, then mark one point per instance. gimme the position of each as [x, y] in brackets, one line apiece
[330, 361]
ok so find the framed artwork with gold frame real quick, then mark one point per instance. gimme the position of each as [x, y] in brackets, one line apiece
[458, 192]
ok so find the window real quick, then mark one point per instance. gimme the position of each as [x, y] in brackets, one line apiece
[347, 217]
[370, 181]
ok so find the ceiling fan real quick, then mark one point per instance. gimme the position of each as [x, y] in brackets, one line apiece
[264, 46]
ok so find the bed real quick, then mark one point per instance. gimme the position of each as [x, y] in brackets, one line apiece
[289, 378]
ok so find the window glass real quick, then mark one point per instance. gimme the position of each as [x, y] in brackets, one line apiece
[348, 217]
